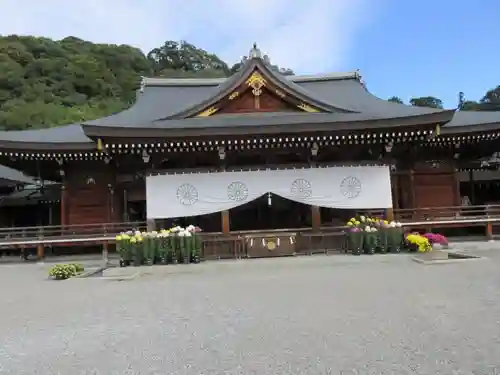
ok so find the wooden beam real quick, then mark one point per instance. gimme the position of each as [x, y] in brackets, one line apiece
[226, 225]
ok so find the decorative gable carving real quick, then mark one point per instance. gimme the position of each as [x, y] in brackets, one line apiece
[256, 77]
[267, 101]
[257, 94]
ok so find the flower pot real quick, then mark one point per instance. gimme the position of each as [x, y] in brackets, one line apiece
[370, 242]
[383, 241]
[355, 242]
[186, 249]
[395, 239]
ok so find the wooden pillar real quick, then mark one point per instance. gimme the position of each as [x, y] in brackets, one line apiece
[472, 188]
[108, 204]
[456, 188]
[40, 248]
[412, 189]
[105, 254]
[125, 206]
[389, 214]
[489, 232]
[51, 213]
[64, 204]
[226, 225]
[151, 225]
[395, 190]
[40, 252]
[316, 218]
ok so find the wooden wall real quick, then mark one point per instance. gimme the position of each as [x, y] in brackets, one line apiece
[425, 186]
[89, 202]
[268, 102]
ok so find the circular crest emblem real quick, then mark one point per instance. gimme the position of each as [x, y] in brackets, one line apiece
[237, 191]
[301, 188]
[271, 245]
[187, 194]
[350, 187]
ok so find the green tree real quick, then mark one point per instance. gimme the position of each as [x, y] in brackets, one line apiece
[470, 105]
[395, 99]
[491, 100]
[427, 101]
[45, 82]
[185, 57]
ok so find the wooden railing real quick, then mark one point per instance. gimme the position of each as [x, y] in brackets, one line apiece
[52, 234]
[262, 242]
[448, 213]
[272, 243]
[457, 214]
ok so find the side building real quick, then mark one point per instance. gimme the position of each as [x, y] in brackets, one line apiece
[224, 153]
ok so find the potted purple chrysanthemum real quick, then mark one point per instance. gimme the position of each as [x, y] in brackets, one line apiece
[356, 238]
[436, 238]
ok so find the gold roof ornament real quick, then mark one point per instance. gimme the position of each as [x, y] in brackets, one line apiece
[207, 112]
[307, 108]
[256, 82]
[280, 93]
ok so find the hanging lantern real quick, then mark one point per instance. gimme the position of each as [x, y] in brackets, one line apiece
[269, 200]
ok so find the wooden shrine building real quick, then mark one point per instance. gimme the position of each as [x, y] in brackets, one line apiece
[224, 153]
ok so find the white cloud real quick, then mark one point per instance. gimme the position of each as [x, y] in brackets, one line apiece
[308, 36]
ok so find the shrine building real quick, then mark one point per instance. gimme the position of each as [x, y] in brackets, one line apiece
[256, 151]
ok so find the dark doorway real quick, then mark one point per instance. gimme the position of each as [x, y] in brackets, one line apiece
[276, 213]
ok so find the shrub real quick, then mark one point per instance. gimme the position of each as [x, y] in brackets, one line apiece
[79, 267]
[65, 271]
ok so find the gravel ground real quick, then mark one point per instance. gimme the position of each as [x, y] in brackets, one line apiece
[308, 315]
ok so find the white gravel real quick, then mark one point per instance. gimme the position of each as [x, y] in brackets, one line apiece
[307, 315]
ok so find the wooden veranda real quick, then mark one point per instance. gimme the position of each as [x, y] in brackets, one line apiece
[249, 244]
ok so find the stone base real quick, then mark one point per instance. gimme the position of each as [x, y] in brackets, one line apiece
[443, 257]
[89, 272]
[121, 273]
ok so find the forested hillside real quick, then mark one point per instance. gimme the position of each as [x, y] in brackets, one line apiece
[47, 83]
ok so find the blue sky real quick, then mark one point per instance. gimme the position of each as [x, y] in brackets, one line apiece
[436, 48]
[402, 48]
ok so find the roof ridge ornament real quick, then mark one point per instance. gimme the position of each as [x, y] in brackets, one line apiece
[359, 77]
[255, 52]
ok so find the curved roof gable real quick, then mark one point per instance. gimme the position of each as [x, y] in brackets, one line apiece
[473, 121]
[353, 93]
[256, 69]
[9, 176]
[67, 137]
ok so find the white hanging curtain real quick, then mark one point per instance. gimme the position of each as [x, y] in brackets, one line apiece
[181, 195]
